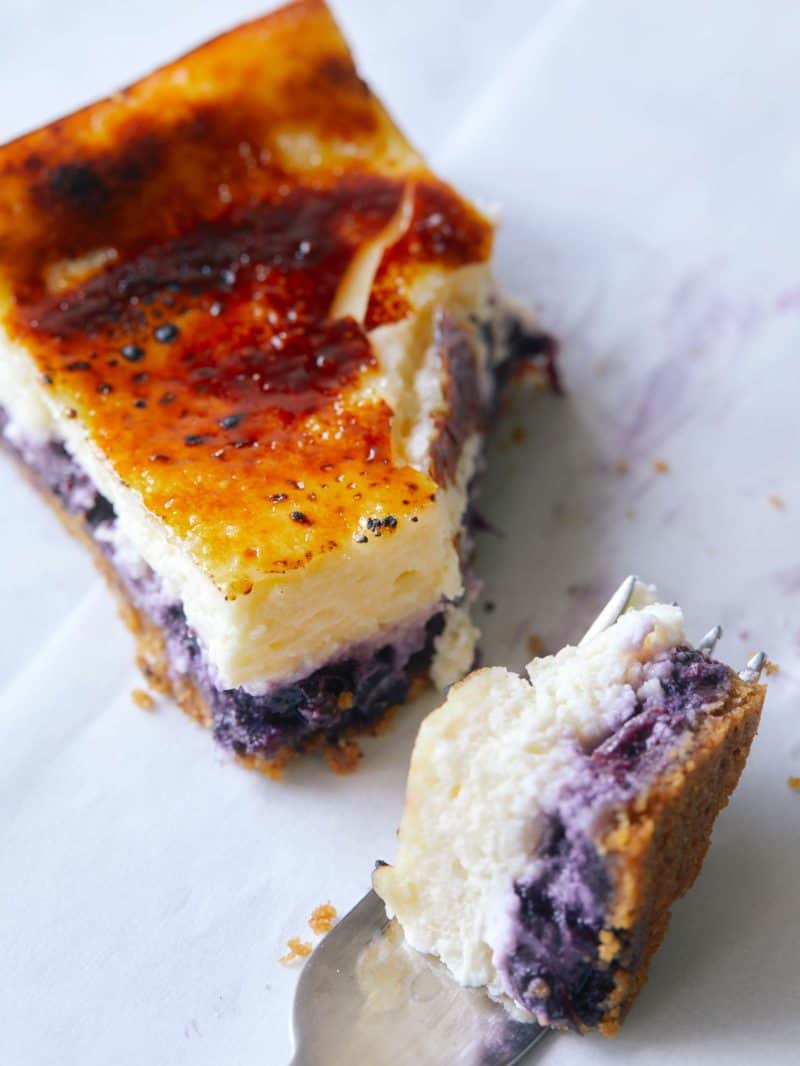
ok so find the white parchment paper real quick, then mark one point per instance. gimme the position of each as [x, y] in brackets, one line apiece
[647, 163]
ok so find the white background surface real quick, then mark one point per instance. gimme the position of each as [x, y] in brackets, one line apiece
[648, 162]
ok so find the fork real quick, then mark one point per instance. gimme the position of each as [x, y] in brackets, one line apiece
[366, 997]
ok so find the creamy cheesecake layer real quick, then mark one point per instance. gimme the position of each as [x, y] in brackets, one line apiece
[392, 568]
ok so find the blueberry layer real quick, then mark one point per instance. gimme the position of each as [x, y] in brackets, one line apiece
[551, 963]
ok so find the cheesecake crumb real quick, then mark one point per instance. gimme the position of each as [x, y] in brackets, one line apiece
[621, 466]
[323, 918]
[777, 502]
[143, 699]
[535, 644]
[298, 949]
[771, 668]
[794, 783]
[661, 466]
[342, 758]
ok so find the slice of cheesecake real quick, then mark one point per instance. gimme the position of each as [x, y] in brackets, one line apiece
[551, 821]
[247, 346]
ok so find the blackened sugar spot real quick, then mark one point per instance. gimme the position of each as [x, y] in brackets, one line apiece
[167, 333]
[76, 187]
[230, 421]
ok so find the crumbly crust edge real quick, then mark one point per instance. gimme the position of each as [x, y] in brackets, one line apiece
[656, 847]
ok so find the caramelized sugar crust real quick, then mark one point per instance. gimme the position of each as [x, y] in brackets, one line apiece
[170, 257]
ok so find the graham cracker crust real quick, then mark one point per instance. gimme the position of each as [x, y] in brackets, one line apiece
[657, 846]
[341, 755]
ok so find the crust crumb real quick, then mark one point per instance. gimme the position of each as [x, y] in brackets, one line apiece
[621, 467]
[385, 723]
[272, 768]
[610, 945]
[343, 757]
[151, 670]
[143, 699]
[535, 644]
[298, 949]
[794, 783]
[771, 668]
[777, 502]
[518, 434]
[419, 684]
[323, 919]
[661, 466]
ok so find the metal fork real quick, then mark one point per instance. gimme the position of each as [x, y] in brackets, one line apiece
[365, 997]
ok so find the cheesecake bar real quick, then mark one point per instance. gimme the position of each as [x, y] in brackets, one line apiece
[551, 820]
[248, 342]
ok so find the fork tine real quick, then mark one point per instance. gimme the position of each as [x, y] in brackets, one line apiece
[709, 641]
[615, 607]
[752, 670]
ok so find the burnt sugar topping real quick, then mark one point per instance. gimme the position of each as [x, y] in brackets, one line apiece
[170, 259]
[241, 379]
